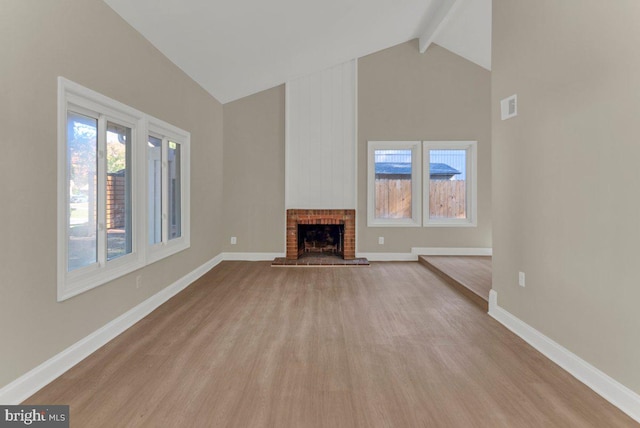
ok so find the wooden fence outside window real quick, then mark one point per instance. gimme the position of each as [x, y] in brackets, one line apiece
[447, 198]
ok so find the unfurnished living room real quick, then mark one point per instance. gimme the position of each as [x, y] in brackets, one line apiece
[344, 213]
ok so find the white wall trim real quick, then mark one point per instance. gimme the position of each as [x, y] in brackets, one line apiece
[251, 257]
[443, 251]
[32, 381]
[611, 390]
[389, 257]
[425, 251]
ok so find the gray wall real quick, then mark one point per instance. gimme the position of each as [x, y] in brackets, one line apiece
[565, 175]
[254, 172]
[406, 95]
[87, 42]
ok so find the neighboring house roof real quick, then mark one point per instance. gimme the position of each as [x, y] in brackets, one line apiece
[393, 168]
[401, 168]
[442, 169]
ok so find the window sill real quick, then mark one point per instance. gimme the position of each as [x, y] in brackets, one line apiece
[162, 251]
[85, 281]
[450, 224]
[393, 223]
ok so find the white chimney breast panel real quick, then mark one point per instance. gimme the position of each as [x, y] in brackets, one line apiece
[321, 139]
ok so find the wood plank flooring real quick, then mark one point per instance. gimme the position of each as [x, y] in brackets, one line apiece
[385, 346]
[471, 275]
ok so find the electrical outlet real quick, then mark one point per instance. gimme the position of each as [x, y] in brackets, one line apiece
[234, 240]
[138, 281]
[521, 279]
[381, 240]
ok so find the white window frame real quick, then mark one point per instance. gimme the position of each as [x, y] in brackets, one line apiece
[416, 200]
[167, 247]
[77, 98]
[471, 183]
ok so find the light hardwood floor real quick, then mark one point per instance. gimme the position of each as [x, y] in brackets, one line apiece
[248, 345]
[471, 275]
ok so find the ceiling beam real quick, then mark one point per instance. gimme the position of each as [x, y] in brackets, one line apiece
[444, 11]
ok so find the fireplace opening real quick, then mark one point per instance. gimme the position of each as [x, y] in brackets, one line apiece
[325, 239]
[342, 235]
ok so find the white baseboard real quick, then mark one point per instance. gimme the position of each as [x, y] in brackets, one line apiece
[445, 251]
[388, 257]
[32, 381]
[611, 390]
[426, 251]
[251, 257]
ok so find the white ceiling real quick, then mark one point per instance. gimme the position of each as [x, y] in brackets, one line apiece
[234, 48]
[468, 33]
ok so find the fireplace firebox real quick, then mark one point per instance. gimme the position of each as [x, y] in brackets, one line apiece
[321, 231]
[320, 238]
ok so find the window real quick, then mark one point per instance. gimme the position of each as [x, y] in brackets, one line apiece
[154, 158]
[450, 183]
[394, 183]
[118, 196]
[167, 190]
[102, 222]
[81, 180]
[449, 180]
[87, 231]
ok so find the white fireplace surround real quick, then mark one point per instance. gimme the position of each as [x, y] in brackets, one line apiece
[320, 165]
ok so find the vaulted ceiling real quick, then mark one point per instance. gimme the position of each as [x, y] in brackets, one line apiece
[234, 48]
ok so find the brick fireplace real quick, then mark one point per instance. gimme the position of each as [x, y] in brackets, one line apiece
[347, 218]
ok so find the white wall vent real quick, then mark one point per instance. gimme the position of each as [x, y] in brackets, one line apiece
[509, 107]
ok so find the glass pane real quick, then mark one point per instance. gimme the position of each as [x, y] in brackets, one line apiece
[154, 159]
[118, 215]
[81, 157]
[447, 184]
[393, 184]
[175, 214]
